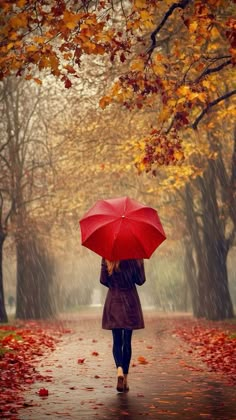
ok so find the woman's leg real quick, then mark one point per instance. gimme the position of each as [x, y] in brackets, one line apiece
[127, 350]
[117, 346]
[117, 353]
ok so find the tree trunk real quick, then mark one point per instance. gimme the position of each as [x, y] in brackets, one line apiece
[217, 303]
[196, 283]
[3, 314]
[191, 279]
[209, 283]
[35, 298]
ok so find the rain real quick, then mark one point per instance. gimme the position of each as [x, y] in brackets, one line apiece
[100, 132]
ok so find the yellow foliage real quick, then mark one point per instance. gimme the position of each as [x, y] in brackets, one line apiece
[148, 24]
[137, 65]
[10, 46]
[164, 114]
[158, 68]
[206, 84]
[183, 90]
[39, 39]
[145, 15]
[71, 19]
[171, 103]
[179, 155]
[21, 3]
[89, 47]
[13, 36]
[103, 37]
[19, 21]
[193, 26]
[105, 101]
[31, 48]
[140, 4]
[116, 89]
[44, 63]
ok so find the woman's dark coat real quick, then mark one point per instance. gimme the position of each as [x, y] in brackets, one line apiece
[122, 307]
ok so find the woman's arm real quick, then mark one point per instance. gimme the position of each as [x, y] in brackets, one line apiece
[104, 277]
[140, 276]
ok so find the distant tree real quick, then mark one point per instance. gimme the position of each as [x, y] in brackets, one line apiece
[25, 164]
[35, 278]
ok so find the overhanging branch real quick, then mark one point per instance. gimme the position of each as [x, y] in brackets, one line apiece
[213, 70]
[210, 105]
[180, 5]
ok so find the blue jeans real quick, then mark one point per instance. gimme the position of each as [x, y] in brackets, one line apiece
[122, 350]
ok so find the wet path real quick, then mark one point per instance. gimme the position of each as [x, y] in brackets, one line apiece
[172, 385]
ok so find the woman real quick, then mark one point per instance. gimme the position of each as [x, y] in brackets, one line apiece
[122, 312]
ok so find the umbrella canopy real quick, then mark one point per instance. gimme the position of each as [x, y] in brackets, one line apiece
[121, 228]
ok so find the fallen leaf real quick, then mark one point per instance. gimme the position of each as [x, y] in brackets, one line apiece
[43, 392]
[142, 360]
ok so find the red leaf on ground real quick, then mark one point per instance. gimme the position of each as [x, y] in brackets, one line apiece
[216, 346]
[43, 392]
[20, 345]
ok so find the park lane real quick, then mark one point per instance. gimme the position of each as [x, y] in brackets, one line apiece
[166, 381]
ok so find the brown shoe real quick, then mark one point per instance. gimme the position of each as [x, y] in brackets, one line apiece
[120, 384]
[120, 380]
[126, 386]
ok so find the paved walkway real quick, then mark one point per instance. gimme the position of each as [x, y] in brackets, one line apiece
[172, 385]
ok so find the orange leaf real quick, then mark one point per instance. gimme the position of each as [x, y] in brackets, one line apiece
[38, 81]
[142, 360]
[71, 19]
[106, 100]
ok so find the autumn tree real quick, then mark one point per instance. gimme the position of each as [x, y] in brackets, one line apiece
[189, 83]
[173, 54]
[26, 170]
[205, 185]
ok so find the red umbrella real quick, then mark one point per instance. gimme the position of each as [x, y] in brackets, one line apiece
[121, 228]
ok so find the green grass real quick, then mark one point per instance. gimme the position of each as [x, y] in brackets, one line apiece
[4, 334]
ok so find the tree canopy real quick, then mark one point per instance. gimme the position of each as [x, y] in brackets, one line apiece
[174, 57]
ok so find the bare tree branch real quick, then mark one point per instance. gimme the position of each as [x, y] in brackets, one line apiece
[210, 105]
[180, 5]
[4, 145]
[213, 70]
[9, 214]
